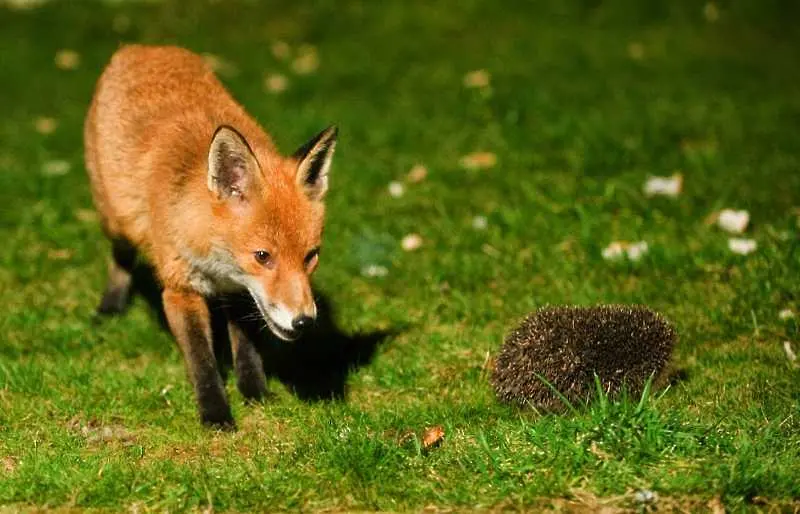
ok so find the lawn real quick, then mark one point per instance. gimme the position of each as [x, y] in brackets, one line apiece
[585, 100]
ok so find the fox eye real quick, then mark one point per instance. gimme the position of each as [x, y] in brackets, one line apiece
[263, 257]
[312, 257]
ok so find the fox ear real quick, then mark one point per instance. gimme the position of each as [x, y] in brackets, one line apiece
[314, 162]
[231, 164]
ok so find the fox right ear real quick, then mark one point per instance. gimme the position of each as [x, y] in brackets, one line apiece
[231, 164]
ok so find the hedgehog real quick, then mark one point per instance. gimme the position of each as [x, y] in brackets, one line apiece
[566, 346]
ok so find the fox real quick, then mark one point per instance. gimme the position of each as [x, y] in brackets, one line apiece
[184, 178]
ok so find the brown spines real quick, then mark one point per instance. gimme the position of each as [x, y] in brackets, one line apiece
[566, 346]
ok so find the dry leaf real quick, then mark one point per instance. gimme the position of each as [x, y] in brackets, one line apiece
[276, 83]
[411, 242]
[307, 61]
[711, 12]
[56, 168]
[281, 50]
[787, 348]
[664, 186]
[733, 221]
[742, 246]
[374, 271]
[396, 189]
[477, 79]
[9, 464]
[433, 436]
[480, 223]
[67, 59]
[636, 51]
[479, 160]
[86, 215]
[61, 254]
[715, 505]
[597, 452]
[45, 125]
[635, 251]
[417, 174]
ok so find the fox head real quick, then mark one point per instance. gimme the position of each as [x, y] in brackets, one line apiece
[271, 214]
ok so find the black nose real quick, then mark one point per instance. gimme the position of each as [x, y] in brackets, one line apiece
[302, 323]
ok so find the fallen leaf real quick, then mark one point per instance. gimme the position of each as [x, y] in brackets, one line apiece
[742, 246]
[733, 221]
[787, 348]
[479, 160]
[613, 251]
[374, 271]
[477, 79]
[307, 60]
[597, 452]
[56, 168]
[86, 215]
[396, 189]
[715, 505]
[61, 254]
[281, 50]
[411, 242]
[636, 51]
[480, 223]
[276, 83]
[67, 59]
[711, 12]
[417, 174]
[619, 249]
[9, 464]
[45, 125]
[433, 436]
[635, 251]
[664, 186]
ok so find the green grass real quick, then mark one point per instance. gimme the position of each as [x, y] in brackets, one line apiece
[101, 415]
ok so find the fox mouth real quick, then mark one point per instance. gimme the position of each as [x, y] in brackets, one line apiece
[274, 327]
[286, 335]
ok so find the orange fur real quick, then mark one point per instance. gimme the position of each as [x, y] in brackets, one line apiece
[147, 137]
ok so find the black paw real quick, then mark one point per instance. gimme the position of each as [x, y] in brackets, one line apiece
[222, 420]
[114, 301]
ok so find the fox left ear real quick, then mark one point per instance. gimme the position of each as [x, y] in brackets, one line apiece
[231, 164]
[314, 162]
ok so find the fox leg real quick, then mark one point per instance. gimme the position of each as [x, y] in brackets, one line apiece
[118, 290]
[190, 322]
[250, 377]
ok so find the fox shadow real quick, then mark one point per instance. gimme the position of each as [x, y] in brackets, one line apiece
[315, 367]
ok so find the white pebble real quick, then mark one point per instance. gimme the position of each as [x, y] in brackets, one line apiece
[742, 246]
[733, 221]
[396, 189]
[411, 242]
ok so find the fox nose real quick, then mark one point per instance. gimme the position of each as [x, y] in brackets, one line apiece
[302, 323]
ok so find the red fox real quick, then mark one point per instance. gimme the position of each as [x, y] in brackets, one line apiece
[182, 175]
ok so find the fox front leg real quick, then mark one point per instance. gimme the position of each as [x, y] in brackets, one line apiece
[189, 320]
[250, 377]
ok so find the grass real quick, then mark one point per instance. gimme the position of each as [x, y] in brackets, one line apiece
[100, 415]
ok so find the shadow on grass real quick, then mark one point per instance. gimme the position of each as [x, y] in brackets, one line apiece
[315, 367]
